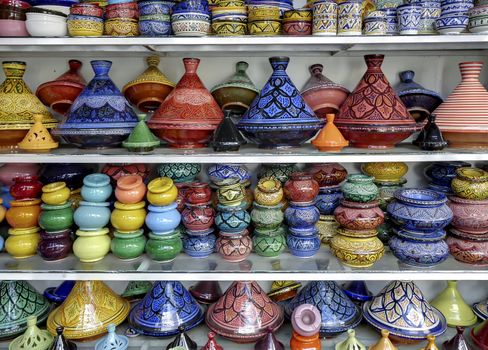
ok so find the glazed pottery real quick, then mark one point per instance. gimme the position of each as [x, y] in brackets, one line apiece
[237, 93]
[469, 215]
[116, 171]
[59, 293]
[368, 123]
[268, 191]
[419, 210]
[23, 214]
[100, 116]
[327, 226]
[96, 188]
[470, 183]
[164, 248]
[10, 171]
[27, 187]
[468, 248]
[338, 312]
[163, 219]
[234, 247]
[91, 216]
[180, 172]
[385, 172]
[420, 102]
[232, 218]
[198, 217]
[430, 138]
[161, 191]
[20, 300]
[128, 217]
[442, 174]
[130, 189]
[60, 343]
[206, 292]
[55, 245]
[328, 174]
[56, 217]
[141, 139]
[409, 318]
[91, 246]
[462, 116]
[199, 246]
[150, 88]
[227, 138]
[430, 343]
[38, 139]
[22, 242]
[457, 342]
[198, 193]
[359, 216]
[211, 343]
[303, 245]
[330, 139]
[349, 18]
[71, 174]
[245, 298]
[136, 290]
[269, 122]
[182, 341]
[88, 310]
[18, 106]
[189, 115]
[33, 338]
[306, 320]
[231, 194]
[299, 342]
[166, 307]
[112, 341]
[60, 93]
[479, 334]
[222, 174]
[384, 343]
[281, 172]
[269, 342]
[268, 245]
[128, 245]
[357, 291]
[351, 342]
[452, 305]
[301, 188]
[359, 252]
[328, 199]
[266, 217]
[359, 188]
[283, 290]
[481, 309]
[55, 193]
[299, 216]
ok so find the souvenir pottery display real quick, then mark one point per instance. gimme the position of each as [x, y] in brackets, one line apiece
[430, 138]
[367, 125]
[479, 335]
[452, 305]
[33, 338]
[269, 342]
[351, 342]
[88, 310]
[166, 307]
[269, 122]
[384, 343]
[112, 341]
[18, 106]
[227, 138]
[58, 294]
[189, 115]
[264, 20]
[60, 343]
[20, 301]
[60, 93]
[182, 340]
[457, 342]
[141, 139]
[71, 174]
[409, 318]
[83, 126]
[330, 139]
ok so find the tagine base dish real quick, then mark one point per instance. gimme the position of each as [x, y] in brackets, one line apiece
[10, 138]
[362, 138]
[466, 139]
[184, 138]
[276, 138]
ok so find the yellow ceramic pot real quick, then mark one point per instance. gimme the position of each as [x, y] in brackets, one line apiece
[385, 171]
[85, 28]
[327, 226]
[268, 191]
[24, 213]
[91, 246]
[22, 243]
[55, 193]
[2, 210]
[357, 252]
[161, 191]
[470, 183]
[128, 217]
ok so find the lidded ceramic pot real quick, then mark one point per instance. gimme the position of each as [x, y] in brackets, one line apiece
[430, 138]
[58, 294]
[38, 139]
[141, 139]
[60, 343]
[33, 338]
[470, 183]
[227, 138]
[60, 93]
[112, 341]
[373, 116]
[322, 94]
[330, 139]
[189, 115]
[351, 342]
[457, 342]
[100, 116]
[452, 305]
[384, 343]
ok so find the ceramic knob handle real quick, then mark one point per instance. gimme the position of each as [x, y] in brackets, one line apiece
[316, 69]
[74, 66]
[153, 61]
[407, 76]
[242, 66]
[191, 65]
[374, 61]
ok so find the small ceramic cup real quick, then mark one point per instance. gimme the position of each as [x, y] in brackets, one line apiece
[375, 23]
[391, 21]
[408, 16]
[349, 20]
[324, 18]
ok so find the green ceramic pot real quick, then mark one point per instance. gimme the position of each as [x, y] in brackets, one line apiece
[360, 188]
[266, 217]
[56, 217]
[278, 171]
[128, 246]
[180, 172]
[164, 248]
[269, 246]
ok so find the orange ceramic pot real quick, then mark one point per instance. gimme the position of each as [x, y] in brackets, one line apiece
[24, 213]
[130, 189]
[300, 342]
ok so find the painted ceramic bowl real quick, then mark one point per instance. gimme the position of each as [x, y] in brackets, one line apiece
[385, 171]
[222, 174]
[359, 216]
[357, 252]
[469, 215]
[88, 26]
[470, 183]
[442, 174]
[121, 27]
[328, 174]
[467, 248]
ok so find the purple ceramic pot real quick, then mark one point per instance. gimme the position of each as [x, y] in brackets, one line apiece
[55, 245]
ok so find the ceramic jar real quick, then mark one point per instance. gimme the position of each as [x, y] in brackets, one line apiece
[232, 218]
[198, 217]
[301, 216]
[303, 246]
[198, 193]
[130, 189]
[10, 171]
[301, 188]
[281, 172]
[164, 248]
[23, 213]
[91, 246]
[467, 248]
[199, 246]
[234, 247]
[362, 251]
[116, 171]
[301, 342]
[266, 217]
[408, 16]
[56, 217]
[328, 174]
[128, 217]
[470, 183]
[128, 245]
[469, 215]
[327, 227]
[26, 187]
[56, 193]
[268, 245]
[385, 171]
[92, 215]
[223, 174]
[96, 188]
[359, 216]
[268, 191]
[324, 18]
[163, 219]
[22, 242]
[359, 188]
[180, 172]
[161, 191]
[55, 245]
[231, 194]
[328, 199]
[442, 174]
[349, 21]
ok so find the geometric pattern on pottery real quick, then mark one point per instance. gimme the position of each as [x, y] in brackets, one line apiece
[326, 203]
[281, 172]
[338, 312]
[234, 246]
[357, 252]
[154, 28]
[325, 26]
[408, 18]
[420, 218]
[302, 216]
[232, 221]
[419, 253]
[349, 24]
[190, 27]
[198, 217]
[199, 246]
[465, 250]
[303, 246]
[180, 172]
[226, 171]
[268, 245]
[481, 309]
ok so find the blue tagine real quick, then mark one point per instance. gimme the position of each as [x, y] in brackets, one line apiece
[166, 307]
[100, 116]
[279, 116]
[338, 312]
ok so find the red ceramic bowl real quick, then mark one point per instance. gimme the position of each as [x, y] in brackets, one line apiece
[11, 12]
[16, 3]
[12, 27]
[59, 95]
[180, 136]
[325, 101]
[10, 138]
[86, 10]
[122, 6]
[122, 13]
[147, 96]
[375, 137]
[297, 28]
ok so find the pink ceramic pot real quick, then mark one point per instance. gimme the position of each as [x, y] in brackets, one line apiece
[301, 188]
[359, 216]
[234, 247]
[470, 249]
[469, 215]
[130, 189]
[10, 171]
[305, 320]
[12, 27]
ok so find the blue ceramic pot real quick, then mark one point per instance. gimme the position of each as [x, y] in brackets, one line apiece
[328, 199]
[91, 216]
[419, 210]
[303, 232]
[357, 291]
[96, 188]
[153, 7]
[442, 174]
[199, 246]
[59, 293]
[301, 216]
[180, 172]
[221, 174]
[303, 246]
[154, 28]
[164, 219]
[232, 218]
[191, 6]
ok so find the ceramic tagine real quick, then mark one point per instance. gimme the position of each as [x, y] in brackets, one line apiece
[206, 292]
[18, 105]
[136, 290]
[112, 341]
[211, 343]
[182, 340]
[322, 94]
[481, 309]
[420, 102]
[58, 294]
[88, 310]
[452, 305]
[150, 88]
[269, 342]
[373, 116]
[330, 139]
[279, 117]
[244, 313]
[141, 139]
[189, 115]
[351, 342]
[100, 116]
[227, 137]
[60, 94]
[38, 138]
[401, 309]
[60, 343]
[430, 138]
[33, 338]
[384, 343]
[238, 92]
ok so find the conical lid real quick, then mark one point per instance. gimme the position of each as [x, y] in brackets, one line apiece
[466, 108]
[408, 86]
[60, 343]
[112, 341]
[206, 292]
[226, 135]
[452, 305]
[141, 136]
[318, 81]
[73, 73]
[33, 338]
[152, 74]
[189, 104]
[338, 312]
[18, 301]
[384, 343]
[351, 342]
[17, 103]
[60, 293]
[430, 138]
[330, 139]
[458, 342]
[182, 340]
[402, 309]
[38, 137]
[244, 313]
[240, 79]
[136, 289]
[88, 310]
[166, 307]
[481, 309]
[269, 342]
[479, 334]
[211, 343]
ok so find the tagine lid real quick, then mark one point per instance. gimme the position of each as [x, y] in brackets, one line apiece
[318, 81]
[38, 137]
[141, 135]
[60, 343]
[112, 341]
[454, 308]
[330, 138]
[458, 342]
[151, 75]
[239, 80]
[33, 338]
[71, 77]
[408, 86]
[281, 287]
[135, 289]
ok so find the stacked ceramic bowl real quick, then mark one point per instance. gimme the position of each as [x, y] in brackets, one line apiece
[154, 17]
[12, 18]
[430, 12]
[121, 18]
[46, 23]
[454, 16]
[283, 5]
[391, 21]
[264, 20]
[478, 18]
[375, 23]
[191, 18]
[85, 20]
[229, 18]
[54, 5]
[297, 22]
